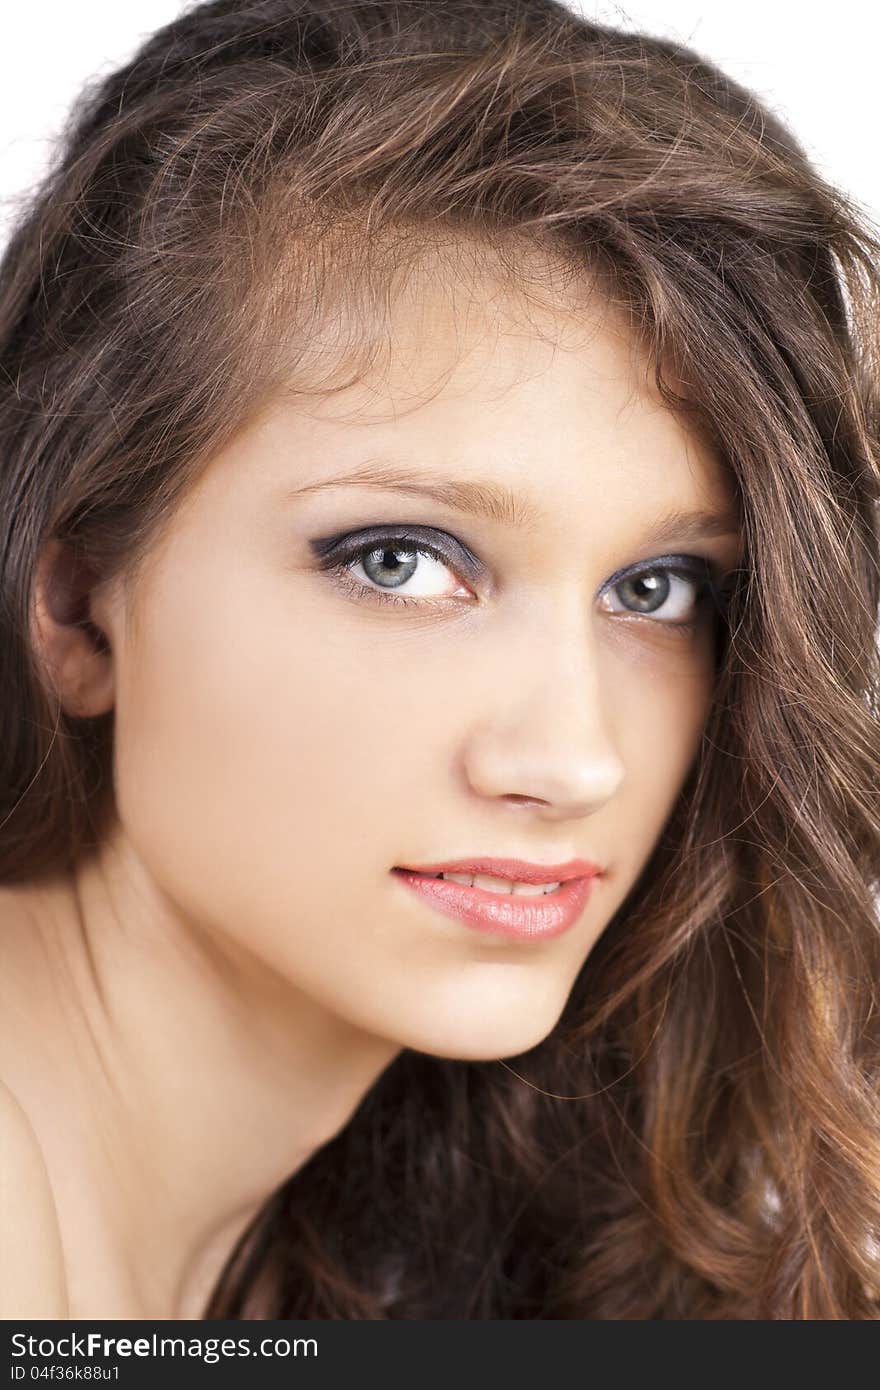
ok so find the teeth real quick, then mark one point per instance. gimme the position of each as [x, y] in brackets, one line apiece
[501, 885]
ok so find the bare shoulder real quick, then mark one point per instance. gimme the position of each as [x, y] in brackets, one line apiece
[32, 1278]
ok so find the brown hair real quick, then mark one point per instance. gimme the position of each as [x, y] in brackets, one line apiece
[699, 1136]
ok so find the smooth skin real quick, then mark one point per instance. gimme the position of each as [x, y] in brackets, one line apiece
[206, 1001]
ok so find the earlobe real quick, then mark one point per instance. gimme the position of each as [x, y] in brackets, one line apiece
[76, 654]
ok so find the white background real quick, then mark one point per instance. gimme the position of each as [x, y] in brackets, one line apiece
[816, 65]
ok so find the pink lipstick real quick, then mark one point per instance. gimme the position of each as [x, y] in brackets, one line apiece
[517, 916]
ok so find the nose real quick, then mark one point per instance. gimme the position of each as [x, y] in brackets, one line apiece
[547, 742]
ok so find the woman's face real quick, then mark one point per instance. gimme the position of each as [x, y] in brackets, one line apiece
[285, 738]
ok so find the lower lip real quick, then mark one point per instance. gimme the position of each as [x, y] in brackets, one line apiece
[510, 915]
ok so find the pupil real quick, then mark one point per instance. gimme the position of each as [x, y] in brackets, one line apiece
[657, 587]
[389, 560]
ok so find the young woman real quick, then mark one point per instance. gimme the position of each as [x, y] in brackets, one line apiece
[440, 575]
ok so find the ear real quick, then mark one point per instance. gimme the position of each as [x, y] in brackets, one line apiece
[77, 654]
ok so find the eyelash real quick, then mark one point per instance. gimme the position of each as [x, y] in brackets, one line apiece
[338, 553]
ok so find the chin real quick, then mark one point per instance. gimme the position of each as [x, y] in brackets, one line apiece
[487, 1040]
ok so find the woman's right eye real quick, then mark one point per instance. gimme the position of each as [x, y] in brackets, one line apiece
[398, 566]
[394, 561]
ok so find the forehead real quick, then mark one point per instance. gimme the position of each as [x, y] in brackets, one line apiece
[460, 318]
[538, 387]
[526, 365]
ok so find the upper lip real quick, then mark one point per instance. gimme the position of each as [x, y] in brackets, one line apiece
[514, 870]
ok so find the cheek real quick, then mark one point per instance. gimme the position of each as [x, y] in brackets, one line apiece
[659, 716]
[255, 753]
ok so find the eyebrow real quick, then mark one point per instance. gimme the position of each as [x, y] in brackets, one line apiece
[496, 502]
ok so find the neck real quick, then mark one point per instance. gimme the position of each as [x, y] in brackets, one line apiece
[174, 1082]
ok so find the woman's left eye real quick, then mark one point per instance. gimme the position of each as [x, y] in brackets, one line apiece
[678, 586]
